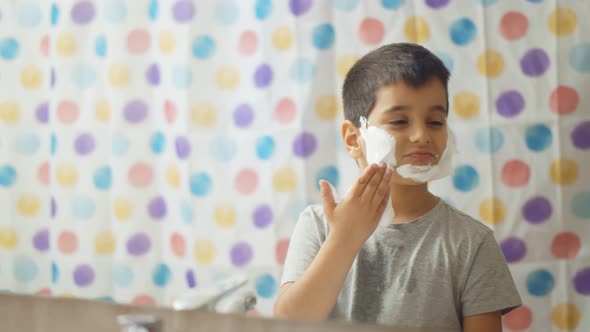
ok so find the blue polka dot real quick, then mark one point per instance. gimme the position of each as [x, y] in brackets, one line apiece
[540, 282]
[122, 276]
[9, 48]
[486, 2]
[187, 212]
[465, 178]
[158, 142]
[115, 11]
[120, 144]
[29, 15]
[161, 275]
[323, 36]
[54, 14]
[538, 137]
[345, 5]
[265, 147]
[392, 4]
[27, 144]
[107, 299]
[580, 58]
[53, 144]
[446, 59]
[489, 140]
[302, 71]
[7, 176]
[182, 76]
[100, 46]
[463, 31]
[25, 270]
[200, 184]
[103, 178]
[223, 149]
[83, 207]
[54, 273]
[263, 9]
[330, 174]
[153, 9]
[535, 1]
[581, 205]
[203, 47]
[84, 76]
[266, 286]
[227, 12]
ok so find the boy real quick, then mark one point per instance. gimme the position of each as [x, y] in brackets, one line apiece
[431, 265]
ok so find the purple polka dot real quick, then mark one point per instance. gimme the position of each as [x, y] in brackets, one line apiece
[53, 77]
[152, 74]
[41, 240]
[263, 76]
[243, 115]
[304, 145]
[183, 147]
[510, 104]
[42, 112]
[241, 254]
[157, 208]
[537, 210]
[138, 244]
[135, 111]
[582, 281]
[262, 216]
[514, 249]
[535, 62]
[183, 11]
[53, 208]
[436, 3]
[581, 136]
[299, 7]
[84, 144]
[83, 12]
[190, 279]
[83, 275]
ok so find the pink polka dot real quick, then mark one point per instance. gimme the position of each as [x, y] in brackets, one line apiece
[253, 313]
[371, 31]
[138, 41]
[519, 319]
[67, 242]
[516, 173]
[44, 47]
[67, 111]
[281, 251]
[143, 299]
[565, 245]
[285, 110]
[564, 100]
[43, 173]
[170, 111]
[246, 181]
[44, 292]
[177, 245]
[513, 25]
[140, 175]
[248, 43]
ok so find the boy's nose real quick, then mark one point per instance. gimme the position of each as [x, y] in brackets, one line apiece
[419, 134]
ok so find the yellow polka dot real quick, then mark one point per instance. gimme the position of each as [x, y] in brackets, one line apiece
[204, 251]
[562, 21]
[9, 112]
[31, 77]
[227, 77]
[284, 180]
[225, 216]
[565, 316]
[203, 115]
[490, 64]
[123, 209]
[327, 107]
[118, 75]
[167, 42]
[67, 175]
[103, 111]
[66, 44]
[466, 104]
[173, 176]
[8, 238]
[67, 295]
[564, 171]
[105, 242]
[417, 29]
[344, 63]
[282, 38]
[28, 205]
[492, 211]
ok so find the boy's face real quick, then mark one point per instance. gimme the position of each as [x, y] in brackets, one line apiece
[415, 117]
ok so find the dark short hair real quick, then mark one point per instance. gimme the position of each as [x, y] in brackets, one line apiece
[410, 63]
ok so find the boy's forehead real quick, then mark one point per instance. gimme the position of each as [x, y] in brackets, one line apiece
[431, 92]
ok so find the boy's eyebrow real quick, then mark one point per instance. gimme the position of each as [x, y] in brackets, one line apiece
[400, 108]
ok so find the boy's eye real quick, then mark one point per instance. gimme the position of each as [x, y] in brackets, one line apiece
[436, 123]
[399, 122]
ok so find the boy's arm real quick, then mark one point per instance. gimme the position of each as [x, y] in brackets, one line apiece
[488, 322]
[351, 223]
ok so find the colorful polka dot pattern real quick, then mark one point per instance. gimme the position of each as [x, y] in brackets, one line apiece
[166, 154]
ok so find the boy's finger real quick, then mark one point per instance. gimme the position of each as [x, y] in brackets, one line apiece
[371, 187]
[328, 201]
[383, 188]
[363, 180]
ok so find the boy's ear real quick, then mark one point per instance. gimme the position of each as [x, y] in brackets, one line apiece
[351, 137]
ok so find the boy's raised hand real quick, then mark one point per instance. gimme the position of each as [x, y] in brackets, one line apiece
[356, 217]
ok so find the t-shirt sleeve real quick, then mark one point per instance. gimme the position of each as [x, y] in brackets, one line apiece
[489, 285]
[304, 245]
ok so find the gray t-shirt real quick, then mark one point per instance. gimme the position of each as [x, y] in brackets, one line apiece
[429, 272]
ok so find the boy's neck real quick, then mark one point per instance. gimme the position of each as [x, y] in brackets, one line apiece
[411, 202]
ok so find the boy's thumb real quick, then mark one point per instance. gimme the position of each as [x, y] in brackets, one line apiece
[328, 201]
